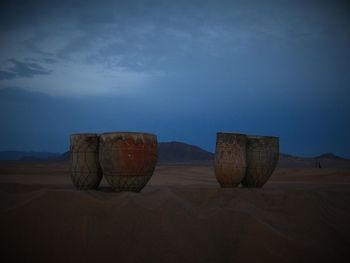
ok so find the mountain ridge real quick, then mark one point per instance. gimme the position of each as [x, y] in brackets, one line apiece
[27, 155]
[180, 152]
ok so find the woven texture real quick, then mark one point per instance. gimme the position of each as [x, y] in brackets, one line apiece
[85, 168]
[230, 159]
[262, 158]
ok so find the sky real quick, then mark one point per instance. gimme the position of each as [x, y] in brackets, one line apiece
[183, 70]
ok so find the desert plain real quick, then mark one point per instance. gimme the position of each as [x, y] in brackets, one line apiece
[182, 215]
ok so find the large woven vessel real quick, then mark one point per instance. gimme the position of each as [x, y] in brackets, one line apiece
[262, 158]
[230, 158]
[85, 168]
[128, 159]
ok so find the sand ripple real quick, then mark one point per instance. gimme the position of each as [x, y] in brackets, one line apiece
[174, 224]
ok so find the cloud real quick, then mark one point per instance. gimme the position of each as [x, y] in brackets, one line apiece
[75, 79]
[121, 45]
[46, 60]
[23, 70]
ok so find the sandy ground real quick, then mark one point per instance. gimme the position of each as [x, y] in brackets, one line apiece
[182, 215]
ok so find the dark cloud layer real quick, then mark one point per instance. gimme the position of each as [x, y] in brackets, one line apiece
[23, 69]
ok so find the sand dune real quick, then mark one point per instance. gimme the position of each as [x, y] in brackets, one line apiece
[180, 216]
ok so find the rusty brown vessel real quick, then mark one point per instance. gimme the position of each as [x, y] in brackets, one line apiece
[230, 158]
[128, 159]
[262, 158]
[85, 168]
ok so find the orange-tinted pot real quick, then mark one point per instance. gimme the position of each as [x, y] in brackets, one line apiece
[128, 159]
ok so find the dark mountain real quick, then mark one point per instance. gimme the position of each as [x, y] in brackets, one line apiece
[182, 152]
[327, 160]
[21, 155]
[285, 155]
[329, 156]
[63, 157]
[178, 152]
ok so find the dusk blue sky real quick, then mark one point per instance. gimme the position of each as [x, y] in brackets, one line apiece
[183, 70]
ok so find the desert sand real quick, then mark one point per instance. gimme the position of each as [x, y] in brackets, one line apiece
[182, 215]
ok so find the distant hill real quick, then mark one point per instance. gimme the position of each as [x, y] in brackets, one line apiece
[63, 157]
[329, 156]
[178, 152]
[27, 156]
[327, 160]
[182, 152]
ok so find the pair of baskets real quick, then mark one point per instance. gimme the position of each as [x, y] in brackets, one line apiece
[126, 160]
[245, 159]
